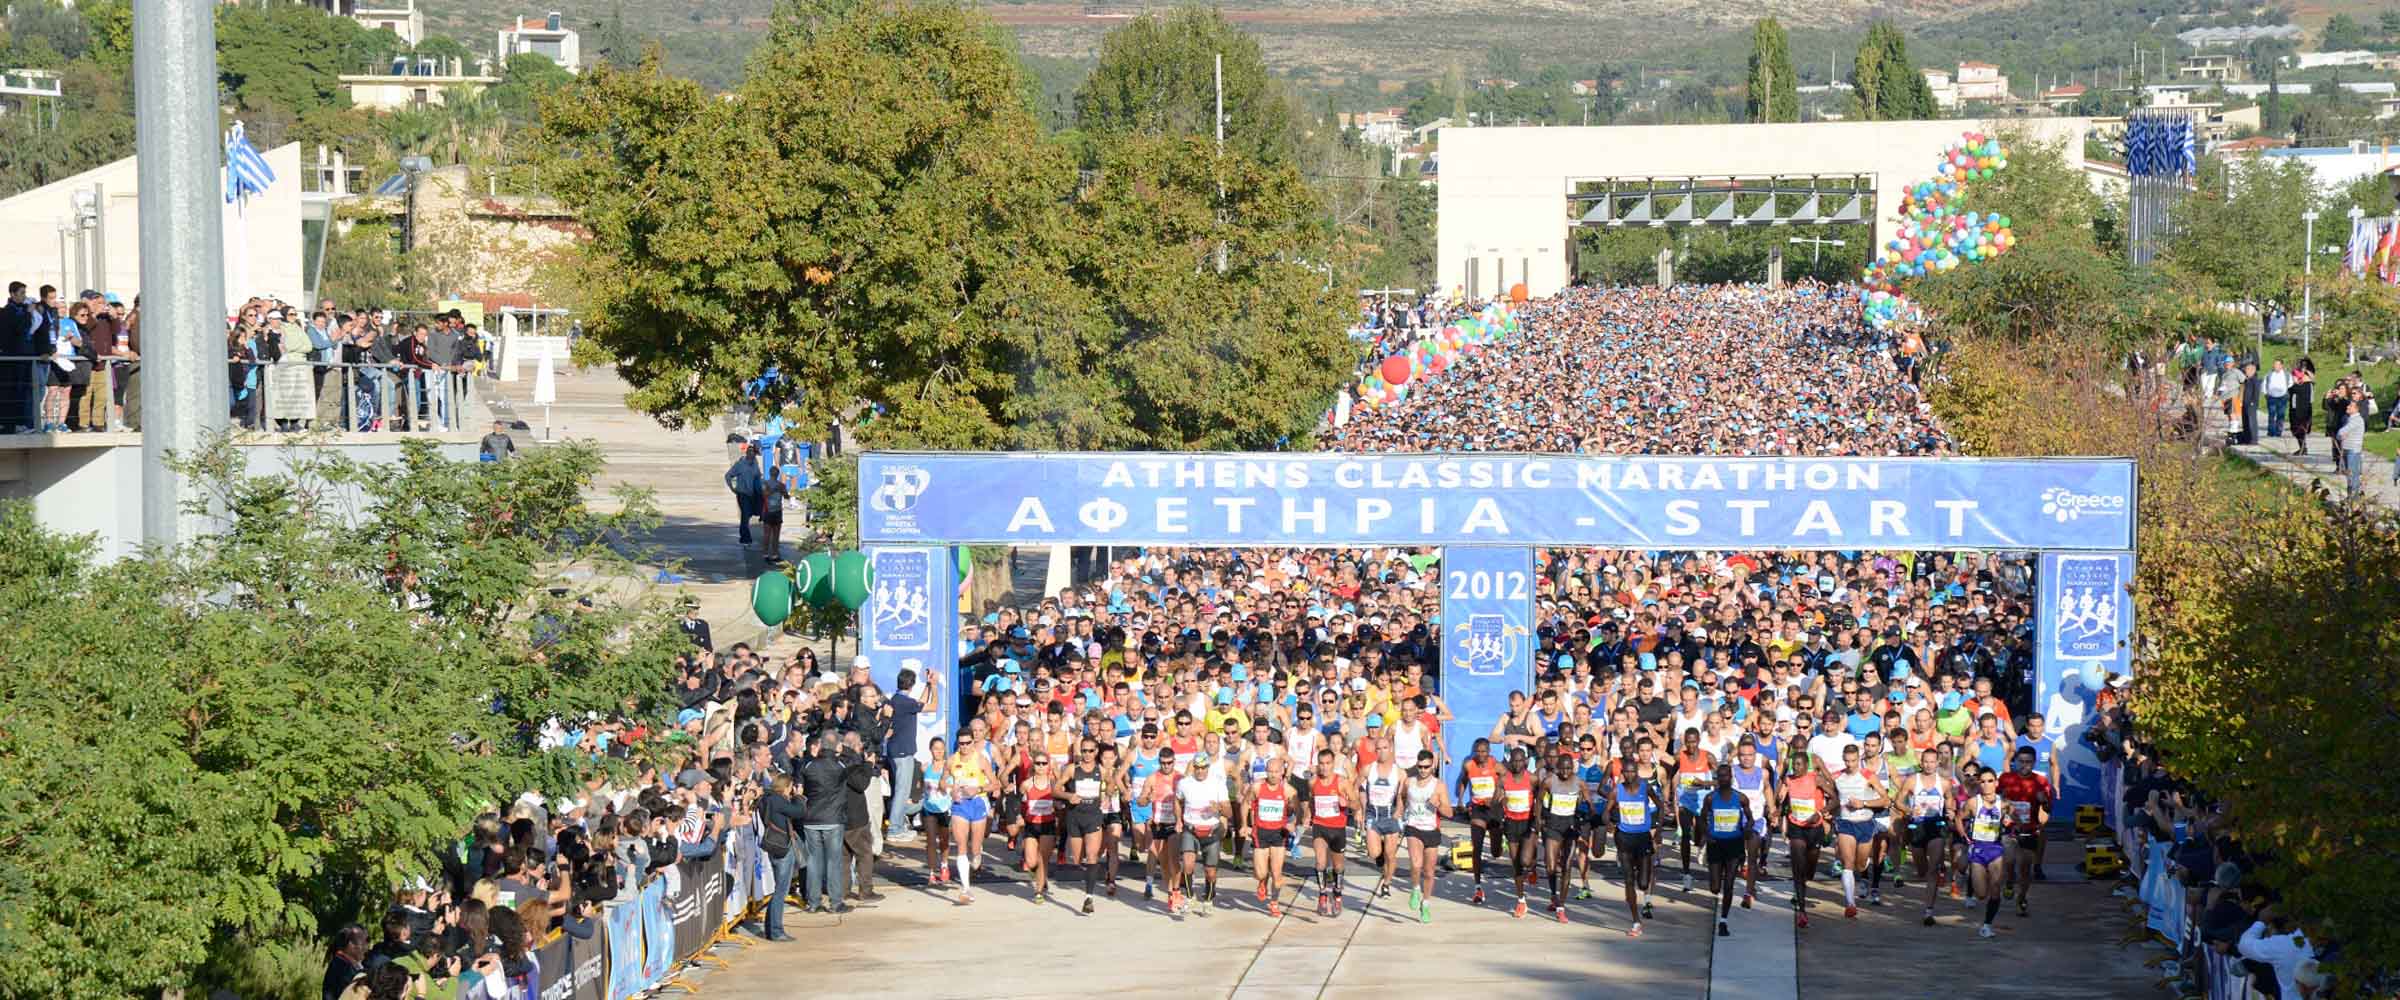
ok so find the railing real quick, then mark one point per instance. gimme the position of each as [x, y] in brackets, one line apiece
[286, 396]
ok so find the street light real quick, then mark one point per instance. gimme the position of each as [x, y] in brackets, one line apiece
[2308, 270]
[1816, 246]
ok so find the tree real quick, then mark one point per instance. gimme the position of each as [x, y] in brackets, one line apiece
[1156, 76]
[1774, 94]
[2342, 33]
[286, 56]
[1889, 86]
[2273, 118]
[2388, 22]
[524, 80]
[2241, 231]
[328, 691]
[1405, 256]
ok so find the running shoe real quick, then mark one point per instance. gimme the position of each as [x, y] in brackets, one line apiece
[1262, 893]
[1749, 898]
[1800, 920]
[1584, 893]
[1646, 910]
[1424, 914]
[1929, 916]
[1416, 898]
[1634, 931]
[1175, 901]
[1112, 889]
[1984, 931]
[1849, 913]
[1478, 900]
[1723, 930]
[1955, 891]
[1383, 891]
[1687, 883]
[1322, 910]
[1520, 910]
[2021, 908]
[1337, 904]
[2008, 892]
[1274, 909]
[1087, 904]
[1560, 912]
[1874, 897]
[965, 897]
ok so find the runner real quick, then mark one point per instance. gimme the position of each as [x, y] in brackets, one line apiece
[1113, 796]
[2029, 798]
[1160, 792]
[1379, 789]
[1981, 825]
[1754, 778]
[1562, 797]
[1270, 800]
[1330, 803]
[1728, 816]
[1854, 825]
[1427, 805]
[1927, 797]
[1145, 763]
[1804, 791]
[1634, 804]
[1085, 786]
[1040, 790]
[1203, 807]
[1877, 771]
[1478, 782]
[970, 778]
[934, 813]
[1693, 771]
[1592, 770]
[1516, 822]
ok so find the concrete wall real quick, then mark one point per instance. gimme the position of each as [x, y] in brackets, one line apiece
[96, 487]
[1504, 190]
[270, 264]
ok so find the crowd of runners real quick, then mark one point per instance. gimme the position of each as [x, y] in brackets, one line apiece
[1271, 717]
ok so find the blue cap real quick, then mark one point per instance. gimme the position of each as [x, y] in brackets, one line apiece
[1375, 720]
[1018, 632]
[1241, 672]
[688, 716]
[1649, 661]
[1008, 666]
[1566, 662]
[1224, 696]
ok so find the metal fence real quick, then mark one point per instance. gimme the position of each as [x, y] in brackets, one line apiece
[39, 394]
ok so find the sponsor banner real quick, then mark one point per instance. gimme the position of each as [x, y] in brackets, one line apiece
[658, 932]
[1487, 639]
[557, 969]
[1433, 499]
[587, 959]
[2162, 895]
[2082, 627]
[626, 974]
[911, 623]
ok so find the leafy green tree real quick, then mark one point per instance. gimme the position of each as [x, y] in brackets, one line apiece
[92, 124]
[62, 34]
[444, 51]
[227, 747]
[2342, 33]
[1888, 85]
[109, 25]
[1156, 76]
[286, 56]
[1774, 91]
[524, 80]
[615, 41]
[1405, 256]
[2273, 118]
[2240, 232]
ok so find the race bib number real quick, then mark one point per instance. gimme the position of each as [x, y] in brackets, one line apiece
[1520, 799]
[1725, 820]
[1328, 806]
[1562, 805]
[1038, 808]
[1987, 828]
[1803, 811]
[1087, 789]
[1633, 813]
[1687, 780]
[1481, 787]
[1270, 810]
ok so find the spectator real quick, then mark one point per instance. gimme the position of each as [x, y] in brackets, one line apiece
[2274, 942]
[2278, 390]
[749, 487]
[858, 841]
[900, 745]
[497, 446]
[694, 627]
[824, 780]
[291, 389]
[781, 812]
[2350, 441]
[21, 377]
[345, 959]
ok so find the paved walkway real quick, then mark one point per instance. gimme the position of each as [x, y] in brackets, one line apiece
[2278, 454]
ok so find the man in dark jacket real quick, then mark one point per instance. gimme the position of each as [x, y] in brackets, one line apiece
[781, 817]
[20, 387]
[749, 485]
[857, 840]
[823, 780]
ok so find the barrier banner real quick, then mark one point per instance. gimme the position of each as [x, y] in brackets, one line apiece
[1643, 502]
[2163, 895]
[688, 911]
[739, 844]
[2082, 631]
[557, 969]
[1487, 639]
[658, 934]
[587, 960]
[712, 898]
[908, 624]
[626, 974]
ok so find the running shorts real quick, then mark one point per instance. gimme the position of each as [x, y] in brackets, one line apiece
[937, 825]
[1206, 847]
[1808, 833]
[1432, 839]
[1861, 830]
[974, 810]
[1483, 813]
[1923, 832]
[1164, 833]
[1269, 840]
[1561, 828]
[1633, 846]
[1981, 853]
[1335, 837]
[2029, 841]
[1384, 826]
[1727, 850]
[1079, 823]
[1516, 830]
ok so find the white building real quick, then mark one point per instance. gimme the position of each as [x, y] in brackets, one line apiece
[2347, 57]
[1945, 93]
[84, 232]
[400, 17]
[31, 90]
[543, 36]
[1384, 128]
[1979, 81]
[413, 84]
[2334, 167]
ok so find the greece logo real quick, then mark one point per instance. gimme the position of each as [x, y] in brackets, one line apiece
[2062, 504]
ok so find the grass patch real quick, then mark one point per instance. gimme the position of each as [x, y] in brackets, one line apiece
[2241, 477]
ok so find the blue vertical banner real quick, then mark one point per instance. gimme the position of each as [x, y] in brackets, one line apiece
[910, 622]
[2083, 633]
[1487, 639]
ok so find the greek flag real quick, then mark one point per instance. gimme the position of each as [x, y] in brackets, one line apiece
[246, 172]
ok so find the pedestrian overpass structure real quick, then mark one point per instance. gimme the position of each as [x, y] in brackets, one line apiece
[1511, 198]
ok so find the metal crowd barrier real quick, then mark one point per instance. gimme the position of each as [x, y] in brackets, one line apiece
[339, 396]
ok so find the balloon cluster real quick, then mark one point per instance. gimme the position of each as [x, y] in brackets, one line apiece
[1937, 230]
[1388, 380]
[822, 579]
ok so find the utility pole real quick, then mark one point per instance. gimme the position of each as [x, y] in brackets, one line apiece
[1220, 157]
[183, 253]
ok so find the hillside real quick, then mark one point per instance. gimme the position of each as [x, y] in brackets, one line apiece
[1393, 38]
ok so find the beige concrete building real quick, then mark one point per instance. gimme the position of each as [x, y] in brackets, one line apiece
[477, 243]
[1505, 192]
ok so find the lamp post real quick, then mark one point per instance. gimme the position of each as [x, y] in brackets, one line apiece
[2308, 271]
[1816, 246]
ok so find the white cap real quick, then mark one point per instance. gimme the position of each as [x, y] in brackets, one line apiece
[860, 662]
